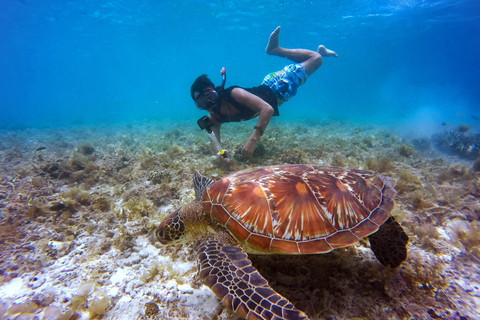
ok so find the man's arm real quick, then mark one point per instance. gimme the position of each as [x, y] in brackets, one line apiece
[265, 112]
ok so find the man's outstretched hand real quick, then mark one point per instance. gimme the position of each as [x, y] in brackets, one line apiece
[249, 148]
[223, 158]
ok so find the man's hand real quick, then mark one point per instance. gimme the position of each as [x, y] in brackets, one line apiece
[223, 158]
[248, 148]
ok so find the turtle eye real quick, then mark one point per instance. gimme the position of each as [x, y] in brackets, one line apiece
[171, 229]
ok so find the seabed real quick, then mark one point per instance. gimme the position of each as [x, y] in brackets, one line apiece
[79, 207]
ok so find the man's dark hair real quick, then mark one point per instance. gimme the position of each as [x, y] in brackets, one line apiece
[200, 84]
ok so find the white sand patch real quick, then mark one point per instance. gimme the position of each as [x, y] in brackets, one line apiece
[12, 289]
[114, 277]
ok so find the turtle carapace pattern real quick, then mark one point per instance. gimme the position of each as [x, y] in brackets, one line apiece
[289, 209]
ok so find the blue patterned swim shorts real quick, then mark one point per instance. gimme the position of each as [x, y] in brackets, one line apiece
[284, 83]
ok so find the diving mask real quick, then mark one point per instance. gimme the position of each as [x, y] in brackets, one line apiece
[206, 100]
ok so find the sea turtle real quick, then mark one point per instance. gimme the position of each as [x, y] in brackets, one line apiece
[289, 209]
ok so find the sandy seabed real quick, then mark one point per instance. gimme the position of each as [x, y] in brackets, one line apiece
[79, 207]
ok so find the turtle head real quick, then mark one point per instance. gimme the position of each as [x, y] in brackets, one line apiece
[171, 230]
[181, 225]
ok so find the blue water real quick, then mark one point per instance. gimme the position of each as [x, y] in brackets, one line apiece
[71, 62]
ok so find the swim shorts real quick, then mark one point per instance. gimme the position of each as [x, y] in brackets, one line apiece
[284, 83]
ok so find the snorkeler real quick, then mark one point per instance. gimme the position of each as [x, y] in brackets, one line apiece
[238, 104]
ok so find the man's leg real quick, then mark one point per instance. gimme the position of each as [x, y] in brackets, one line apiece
[310, 60]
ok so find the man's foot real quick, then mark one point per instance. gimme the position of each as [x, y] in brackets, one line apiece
[324, 52]
[272, 46]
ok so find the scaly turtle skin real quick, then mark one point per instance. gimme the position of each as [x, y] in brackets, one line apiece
[291, 209]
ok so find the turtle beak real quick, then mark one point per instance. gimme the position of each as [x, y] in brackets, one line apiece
[171, 229]
[160, 235]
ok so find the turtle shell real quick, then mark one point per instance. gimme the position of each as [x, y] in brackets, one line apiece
[299, 209]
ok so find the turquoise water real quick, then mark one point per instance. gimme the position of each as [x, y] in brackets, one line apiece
[98, 143]
[406, 63]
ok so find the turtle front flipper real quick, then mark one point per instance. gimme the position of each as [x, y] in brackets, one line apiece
[199, 184]
[226, 269]
[389, 243]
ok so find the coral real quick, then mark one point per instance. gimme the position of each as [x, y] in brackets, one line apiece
[147, 161]
[380, 164]
[86, 172]
[102, 245]
[338, 160]
[175, 152]
[86, 149]
[102, 204]
[78, 161]
[80, 196]
[368, 141]
[406, 150]
[125, 171]
[151, 309]
[152, 272]
[293, 156]
[89, 183]
[36, 208]
[90, 167]
[38, 182]
[11, 154]
[450, 174]
[318, 151]
[160, 195]
[421, 144]
[467, 234]
[160, 177]
[407, 182]
[417, 199]
[136, 207]
[54, 169]
[123, 239]
[428, 276]
[458, 143]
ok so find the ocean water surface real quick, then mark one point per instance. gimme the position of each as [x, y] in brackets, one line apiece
[116, 61]
[98, 143]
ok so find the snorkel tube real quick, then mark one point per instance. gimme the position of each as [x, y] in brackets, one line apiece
[223, 72]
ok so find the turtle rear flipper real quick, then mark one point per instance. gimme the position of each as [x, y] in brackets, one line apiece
[389, 243]
[226, 269]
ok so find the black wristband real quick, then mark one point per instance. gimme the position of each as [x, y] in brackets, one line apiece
[260, 129]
